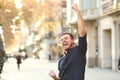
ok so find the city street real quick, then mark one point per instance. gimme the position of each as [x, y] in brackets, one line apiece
[39, 28]
[34, 69]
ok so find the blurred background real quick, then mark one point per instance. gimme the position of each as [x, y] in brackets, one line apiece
[32, 27]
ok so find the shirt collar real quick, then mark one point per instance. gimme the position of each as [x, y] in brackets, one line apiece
[67, 52]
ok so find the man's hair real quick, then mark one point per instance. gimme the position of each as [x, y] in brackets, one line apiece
[72, 37]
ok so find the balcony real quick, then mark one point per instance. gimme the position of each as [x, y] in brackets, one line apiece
[91, 14]
[110, 6]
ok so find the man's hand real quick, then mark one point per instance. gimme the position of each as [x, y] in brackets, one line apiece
[75, 7]
[53, 75]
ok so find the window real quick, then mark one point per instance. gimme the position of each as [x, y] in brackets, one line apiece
[88, 4]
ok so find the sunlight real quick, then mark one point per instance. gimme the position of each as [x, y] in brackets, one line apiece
[18, 4]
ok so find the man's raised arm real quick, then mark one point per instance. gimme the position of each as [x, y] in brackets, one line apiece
[81, 24]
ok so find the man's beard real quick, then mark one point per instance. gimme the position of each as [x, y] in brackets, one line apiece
[70, 46]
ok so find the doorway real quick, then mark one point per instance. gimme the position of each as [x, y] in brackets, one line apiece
[107, 51]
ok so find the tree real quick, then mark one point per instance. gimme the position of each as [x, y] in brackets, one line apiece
[36, 15]
[8, 12]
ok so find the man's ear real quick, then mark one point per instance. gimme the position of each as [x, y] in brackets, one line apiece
[73, 40]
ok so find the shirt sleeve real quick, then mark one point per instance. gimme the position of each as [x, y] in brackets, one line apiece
[82, 43]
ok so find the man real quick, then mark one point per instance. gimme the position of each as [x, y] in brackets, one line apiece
[19, 61]
[72, 65]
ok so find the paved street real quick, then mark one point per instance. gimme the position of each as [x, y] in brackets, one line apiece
[33, 69]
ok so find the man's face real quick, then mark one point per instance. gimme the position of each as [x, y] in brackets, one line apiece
[67, 42]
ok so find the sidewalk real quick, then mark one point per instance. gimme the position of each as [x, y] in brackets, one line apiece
[101, 74]
[32, 69]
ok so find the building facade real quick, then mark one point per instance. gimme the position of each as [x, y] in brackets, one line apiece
[102, 18]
